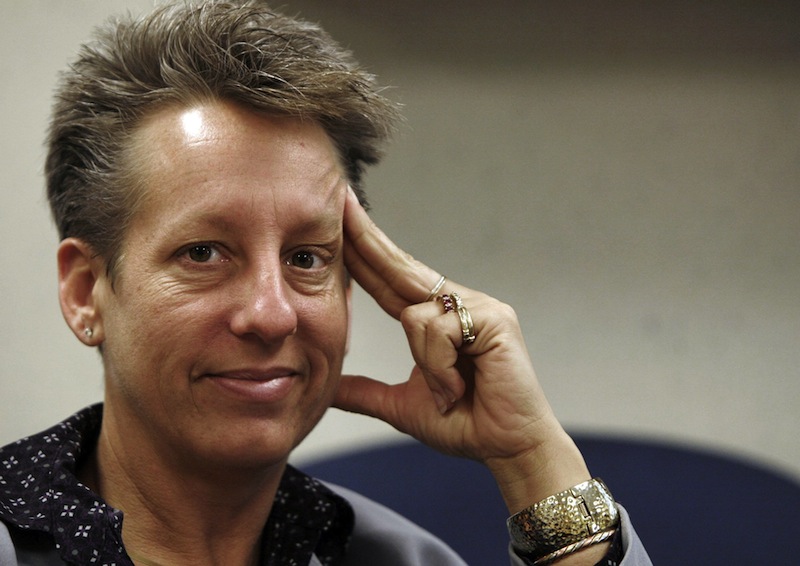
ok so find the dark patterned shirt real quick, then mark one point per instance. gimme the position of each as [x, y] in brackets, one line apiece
[44, 505]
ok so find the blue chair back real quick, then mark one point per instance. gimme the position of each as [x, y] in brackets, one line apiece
[688, 506]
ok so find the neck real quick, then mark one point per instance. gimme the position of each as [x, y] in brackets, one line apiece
[179, 512]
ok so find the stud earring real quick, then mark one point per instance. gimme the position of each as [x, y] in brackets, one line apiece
[88, 332]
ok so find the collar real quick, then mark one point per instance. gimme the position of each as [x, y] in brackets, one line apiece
[40, 493]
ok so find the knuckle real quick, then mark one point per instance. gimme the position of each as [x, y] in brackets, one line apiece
[441, 324]
[505, 311]
[410, 318]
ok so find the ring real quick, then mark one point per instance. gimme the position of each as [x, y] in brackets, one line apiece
[467, 327]
[436, 288]
[447, 303]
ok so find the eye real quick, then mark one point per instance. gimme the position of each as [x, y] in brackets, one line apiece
[304, 260]
[203, 253]
[200, 253]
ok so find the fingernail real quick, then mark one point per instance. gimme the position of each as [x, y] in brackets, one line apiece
[441, 402]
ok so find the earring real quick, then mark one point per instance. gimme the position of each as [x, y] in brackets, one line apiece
[88, 332]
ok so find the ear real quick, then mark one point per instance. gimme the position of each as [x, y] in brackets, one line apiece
[79, 272]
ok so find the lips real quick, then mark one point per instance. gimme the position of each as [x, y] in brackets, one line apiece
[258, 386]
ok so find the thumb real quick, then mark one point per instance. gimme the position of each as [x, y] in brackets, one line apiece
[409, 407]
[363, 395]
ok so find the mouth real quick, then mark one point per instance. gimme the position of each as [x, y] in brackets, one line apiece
[256, 386]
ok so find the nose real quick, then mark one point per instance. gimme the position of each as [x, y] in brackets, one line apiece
[265, 308]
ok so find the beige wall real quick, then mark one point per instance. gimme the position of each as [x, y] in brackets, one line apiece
[626, 178]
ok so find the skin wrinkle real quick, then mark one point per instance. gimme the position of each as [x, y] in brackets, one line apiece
[190, 339]
[174, 324]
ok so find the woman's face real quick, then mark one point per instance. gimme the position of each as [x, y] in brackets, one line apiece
[226, 326]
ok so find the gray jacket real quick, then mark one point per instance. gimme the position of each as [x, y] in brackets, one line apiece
[381, 536]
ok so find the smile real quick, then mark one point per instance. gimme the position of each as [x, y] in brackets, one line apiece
[255, 386]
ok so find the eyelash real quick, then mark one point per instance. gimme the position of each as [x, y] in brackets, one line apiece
[209, 248]
[319, 256]
[324, 258]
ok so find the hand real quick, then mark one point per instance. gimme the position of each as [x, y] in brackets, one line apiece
[480, 400]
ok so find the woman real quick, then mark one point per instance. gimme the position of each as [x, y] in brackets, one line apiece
[204, 172]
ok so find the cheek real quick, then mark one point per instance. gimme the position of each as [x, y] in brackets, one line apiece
[326, 325]
[155, 335]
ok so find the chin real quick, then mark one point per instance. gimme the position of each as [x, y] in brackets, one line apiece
[257, 446]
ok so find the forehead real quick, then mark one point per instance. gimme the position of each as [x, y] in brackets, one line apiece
[221, 130]
[210, 156]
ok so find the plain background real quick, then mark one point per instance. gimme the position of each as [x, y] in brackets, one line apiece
[624, 173]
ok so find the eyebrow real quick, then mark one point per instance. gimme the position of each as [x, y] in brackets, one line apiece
[329, 223]
[326, 223]
[208, 218]
[321, 219]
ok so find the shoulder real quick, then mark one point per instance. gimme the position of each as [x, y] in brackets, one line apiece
[25, 548]
[382, 536]
[8, 555]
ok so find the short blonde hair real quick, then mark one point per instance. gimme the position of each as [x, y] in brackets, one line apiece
[185, 52]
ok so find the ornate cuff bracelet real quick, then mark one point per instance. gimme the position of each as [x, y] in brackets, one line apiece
[563, 519]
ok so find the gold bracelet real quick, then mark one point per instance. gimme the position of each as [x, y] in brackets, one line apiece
[563, 519]
[575, 547]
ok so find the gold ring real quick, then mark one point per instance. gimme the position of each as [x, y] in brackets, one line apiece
[467, 327]
[436, 288]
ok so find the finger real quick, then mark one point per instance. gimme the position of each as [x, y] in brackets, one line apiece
[433, 337]
[373, 282]
[362, 395]
[443, 371]
[389, 403]
[385, 271]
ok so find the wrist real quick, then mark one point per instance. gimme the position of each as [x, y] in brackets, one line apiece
[535, 474]
[564, 526]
